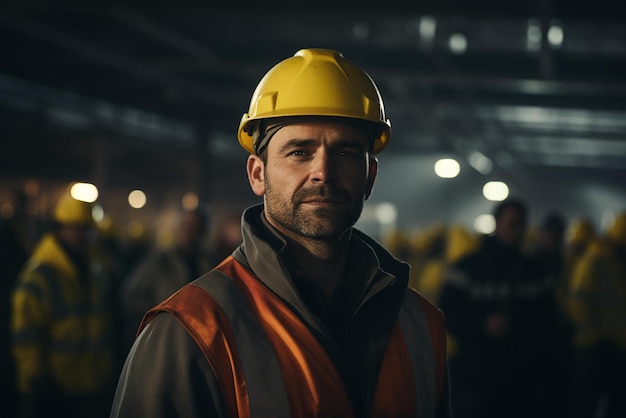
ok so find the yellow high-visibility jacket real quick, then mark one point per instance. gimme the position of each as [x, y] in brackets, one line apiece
[61, 325]
[597, 296]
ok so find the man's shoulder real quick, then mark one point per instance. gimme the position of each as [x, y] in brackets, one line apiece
[217, 281]
[429, 307]
[35, 270]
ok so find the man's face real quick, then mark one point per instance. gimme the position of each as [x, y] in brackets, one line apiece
[192, 230]
[511, 227]
[316, 177]
[76, 237]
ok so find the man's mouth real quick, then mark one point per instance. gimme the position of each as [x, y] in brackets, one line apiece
[321, 202]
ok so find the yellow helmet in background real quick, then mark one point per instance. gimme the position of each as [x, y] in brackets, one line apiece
[315, 82]
[430, 238]
[397, 242]
[580, 232]
[69, 211]
[617, 231]
[460, 242]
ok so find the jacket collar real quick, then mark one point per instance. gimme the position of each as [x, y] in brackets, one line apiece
[263, 250]
[49, 251]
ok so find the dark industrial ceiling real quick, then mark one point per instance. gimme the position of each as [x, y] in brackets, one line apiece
[154, 91]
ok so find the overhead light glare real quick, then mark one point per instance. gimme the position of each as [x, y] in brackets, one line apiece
[480, 162]
[137, 199]
[427, 28]
[85, 192]
[97, 212]
[485, 224]
[386, 213]
[447, 168]
[555, 35]
[533, 35]
[190, 201]
[495, 191]
[458, 43]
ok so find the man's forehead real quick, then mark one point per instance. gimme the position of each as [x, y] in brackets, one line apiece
[320, 130]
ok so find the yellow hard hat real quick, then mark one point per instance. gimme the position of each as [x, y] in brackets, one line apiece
[581, 231]
[71, 211]
[617, 231]
[460, 242]
[316, 82]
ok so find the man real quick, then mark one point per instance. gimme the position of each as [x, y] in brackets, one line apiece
[164, 271]
[501, 315]
[14, 251]
[597, 305]
[61, 322]
[309, 317]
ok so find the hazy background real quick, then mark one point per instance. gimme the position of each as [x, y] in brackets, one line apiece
[149, 96]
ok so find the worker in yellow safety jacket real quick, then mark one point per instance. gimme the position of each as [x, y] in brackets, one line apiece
[61, 325]
[309, 317]
[597, 307]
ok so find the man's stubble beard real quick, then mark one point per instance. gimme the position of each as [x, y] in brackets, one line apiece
[314, 223]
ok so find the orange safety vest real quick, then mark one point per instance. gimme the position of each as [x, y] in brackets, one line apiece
[268, 363]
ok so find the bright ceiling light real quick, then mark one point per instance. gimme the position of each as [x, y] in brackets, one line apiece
[386, 213]
[427, 28]
[137, 199]
[533, 35]
[447, 168]
[485, 224]
[190, 201]
[85, 192]
[495, 191]
[458, 43]
[555, 35]
[480, 162]
[98, 213]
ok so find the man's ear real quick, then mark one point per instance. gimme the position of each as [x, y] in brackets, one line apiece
[256, 174]
[371, 176]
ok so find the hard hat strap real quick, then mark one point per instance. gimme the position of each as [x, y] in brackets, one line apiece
[264, 131]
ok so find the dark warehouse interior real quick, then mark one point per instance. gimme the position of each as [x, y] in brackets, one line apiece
[150, 95]
[488, 100]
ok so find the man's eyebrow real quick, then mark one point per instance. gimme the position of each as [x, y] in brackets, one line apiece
[303, 142]
[297, 142]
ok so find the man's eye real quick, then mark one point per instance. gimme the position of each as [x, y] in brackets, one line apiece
[298, 153]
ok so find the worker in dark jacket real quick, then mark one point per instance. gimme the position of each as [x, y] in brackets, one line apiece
[501, 314]
[309, 317]
[165, 270]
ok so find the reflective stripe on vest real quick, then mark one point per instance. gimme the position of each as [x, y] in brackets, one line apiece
[268, 363]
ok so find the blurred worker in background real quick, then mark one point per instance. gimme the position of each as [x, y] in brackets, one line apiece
[580, 234]
[501, 317]
[440, 250]
[226, 236]
[109, 253]
[164, 271]
[549, 246]
[137, 242]
[14, 251]
[548, 252]
[309, 317]
[61, 322]
[426, 265]
[597, 304]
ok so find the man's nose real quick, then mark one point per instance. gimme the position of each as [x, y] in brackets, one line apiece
[322, 167]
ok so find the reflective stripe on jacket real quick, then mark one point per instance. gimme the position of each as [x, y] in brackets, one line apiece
[268, 363]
